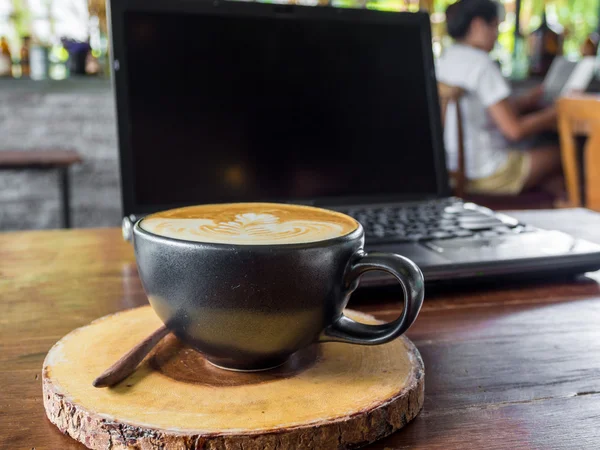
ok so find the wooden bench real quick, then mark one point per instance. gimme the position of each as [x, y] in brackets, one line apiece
[60, 159]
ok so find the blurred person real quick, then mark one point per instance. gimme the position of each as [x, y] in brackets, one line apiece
[497, 128]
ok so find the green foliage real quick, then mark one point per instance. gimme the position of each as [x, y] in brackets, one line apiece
[578, 18]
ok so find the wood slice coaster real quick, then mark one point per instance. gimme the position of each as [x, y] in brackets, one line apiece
[328, 396]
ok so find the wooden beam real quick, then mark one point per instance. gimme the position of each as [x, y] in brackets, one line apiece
[517, 17]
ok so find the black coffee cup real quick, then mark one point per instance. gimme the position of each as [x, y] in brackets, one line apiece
[249, 307]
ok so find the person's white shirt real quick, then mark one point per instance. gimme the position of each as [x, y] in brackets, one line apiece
[474, 71]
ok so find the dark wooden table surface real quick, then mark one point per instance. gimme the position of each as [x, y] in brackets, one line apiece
[514, 367]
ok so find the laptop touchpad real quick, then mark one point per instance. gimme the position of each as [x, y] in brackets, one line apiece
[526, 245]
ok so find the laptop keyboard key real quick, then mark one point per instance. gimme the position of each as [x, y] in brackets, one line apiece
[477, 218]
[446, 223]
[463, 233]
[441, 235]
[478, 226]
[488, 234]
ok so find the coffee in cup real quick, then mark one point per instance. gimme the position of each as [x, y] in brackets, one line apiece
[260, 224]
[249, 284]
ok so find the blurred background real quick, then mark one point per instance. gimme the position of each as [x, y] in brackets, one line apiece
[56, 100]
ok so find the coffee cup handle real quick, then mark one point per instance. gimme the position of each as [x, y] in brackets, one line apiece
[410, 278]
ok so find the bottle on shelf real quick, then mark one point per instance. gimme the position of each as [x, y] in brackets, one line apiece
[58, 60]
[97, 58]
[38, 59]
[590, 44]
[5, 58]
[545, 44]
[25, 57]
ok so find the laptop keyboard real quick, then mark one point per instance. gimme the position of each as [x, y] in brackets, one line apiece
[439, 219]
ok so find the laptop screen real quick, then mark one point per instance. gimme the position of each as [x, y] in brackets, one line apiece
[226, 107]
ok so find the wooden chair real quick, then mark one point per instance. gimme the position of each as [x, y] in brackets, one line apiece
[528, 200]
[449, 95]
[580, 116]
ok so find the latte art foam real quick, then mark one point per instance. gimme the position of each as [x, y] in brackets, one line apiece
[250, 224]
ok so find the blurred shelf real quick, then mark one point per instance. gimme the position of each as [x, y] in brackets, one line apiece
[82, 83]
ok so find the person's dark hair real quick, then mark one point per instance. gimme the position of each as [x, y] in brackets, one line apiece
[459, 15]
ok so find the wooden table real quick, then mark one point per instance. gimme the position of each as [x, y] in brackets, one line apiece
[59, 159]
[517, 367]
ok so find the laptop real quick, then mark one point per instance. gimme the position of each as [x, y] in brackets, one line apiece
[565, 76]
[337, 108]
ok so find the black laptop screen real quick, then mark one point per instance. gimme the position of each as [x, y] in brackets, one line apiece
[225, 108]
